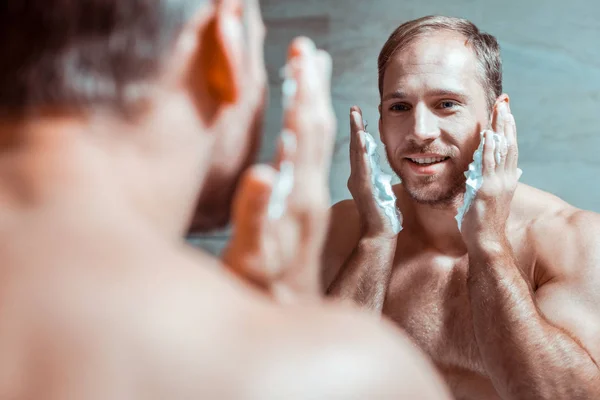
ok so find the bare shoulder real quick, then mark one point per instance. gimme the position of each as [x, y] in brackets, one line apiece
[566, 242]
[342, 237]
[337, 353]
[344, 216]
[182, 326]
[531, 204]
[310, 351]
[150, 319]
[566, 239]
[234, 343]
[537, 210]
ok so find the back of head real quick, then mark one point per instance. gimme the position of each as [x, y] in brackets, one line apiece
[78, 57]
[484, 45]
[82, 53]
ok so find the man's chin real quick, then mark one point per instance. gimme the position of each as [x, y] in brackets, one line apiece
[435, 196]
[443, 201]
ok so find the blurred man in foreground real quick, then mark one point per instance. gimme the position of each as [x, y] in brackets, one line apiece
[114, 116]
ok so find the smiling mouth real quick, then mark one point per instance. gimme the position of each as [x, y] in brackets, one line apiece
[428, 161]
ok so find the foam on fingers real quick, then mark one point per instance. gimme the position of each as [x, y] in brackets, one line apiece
[382, 183]
[474, 174]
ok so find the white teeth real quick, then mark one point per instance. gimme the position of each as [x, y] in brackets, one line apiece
[427, 160]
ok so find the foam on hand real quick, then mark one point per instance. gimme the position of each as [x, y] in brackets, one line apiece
[382, 185]
[289, 85]
[282, 188]
[474, 176]
[285, 178]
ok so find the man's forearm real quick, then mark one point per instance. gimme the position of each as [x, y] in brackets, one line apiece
[365, 276]
[525, 356]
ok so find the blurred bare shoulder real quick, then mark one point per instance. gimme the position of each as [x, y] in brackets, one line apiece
[118, 319]
[320, 350]
[178, 325]
[342, 353]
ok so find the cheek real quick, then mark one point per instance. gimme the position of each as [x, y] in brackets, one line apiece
[462, 130]
[392, 131]
[470, 146]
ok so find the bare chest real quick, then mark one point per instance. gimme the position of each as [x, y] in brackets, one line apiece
[428, 298]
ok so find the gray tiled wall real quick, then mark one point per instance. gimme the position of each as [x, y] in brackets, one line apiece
[551, 71]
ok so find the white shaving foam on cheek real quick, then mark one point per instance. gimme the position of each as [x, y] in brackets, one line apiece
[382, 185]
[474, 175]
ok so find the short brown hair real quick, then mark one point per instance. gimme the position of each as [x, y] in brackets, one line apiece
[484, 45]
[82, 53]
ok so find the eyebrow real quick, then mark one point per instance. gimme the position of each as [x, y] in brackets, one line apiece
[400, 95]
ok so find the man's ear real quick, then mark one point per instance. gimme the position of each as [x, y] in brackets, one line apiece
[219, 60]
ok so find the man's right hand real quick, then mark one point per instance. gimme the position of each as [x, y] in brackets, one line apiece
[280, 251]
[364, 276]
[375, 224]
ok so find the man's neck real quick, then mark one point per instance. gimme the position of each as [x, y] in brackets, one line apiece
[71, 164]
[43, 159]
[435, 224]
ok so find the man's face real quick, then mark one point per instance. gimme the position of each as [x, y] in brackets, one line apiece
[238, 130]
[433, 109]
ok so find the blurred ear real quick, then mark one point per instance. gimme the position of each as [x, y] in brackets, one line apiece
[217, 64]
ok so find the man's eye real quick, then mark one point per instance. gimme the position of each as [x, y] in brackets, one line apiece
[400, 107]
[447, 104]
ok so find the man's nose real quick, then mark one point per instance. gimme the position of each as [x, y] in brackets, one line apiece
[425, 125]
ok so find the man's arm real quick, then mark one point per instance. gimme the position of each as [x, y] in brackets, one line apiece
[356, 268]
[541, 345]
[537, 342]
[364, 278]
[361, 228]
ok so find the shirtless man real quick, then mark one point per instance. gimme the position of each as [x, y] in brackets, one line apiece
[509, 307]
[115, 115]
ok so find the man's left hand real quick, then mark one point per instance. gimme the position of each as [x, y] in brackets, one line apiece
[485, 222]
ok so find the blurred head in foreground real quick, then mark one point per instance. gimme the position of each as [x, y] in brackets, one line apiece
[172, 91]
